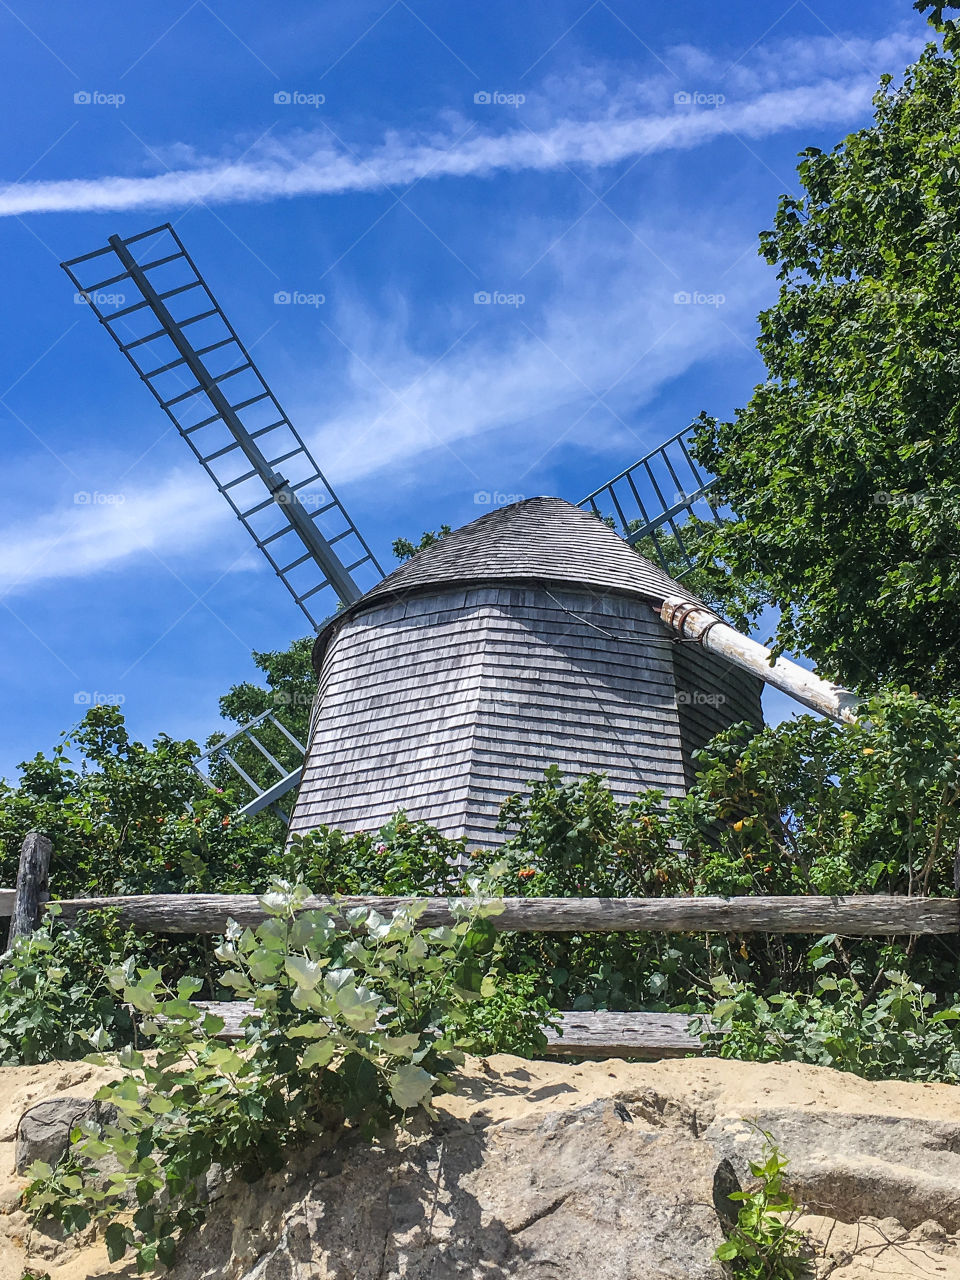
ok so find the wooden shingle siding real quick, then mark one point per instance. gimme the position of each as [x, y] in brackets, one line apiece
[446, 702]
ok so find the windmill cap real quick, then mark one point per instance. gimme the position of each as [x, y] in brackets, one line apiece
[538, 541]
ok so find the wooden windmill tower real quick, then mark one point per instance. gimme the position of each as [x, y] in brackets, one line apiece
[533, 635]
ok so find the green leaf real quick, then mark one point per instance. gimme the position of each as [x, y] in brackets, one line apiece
[318, 1054]
[115, 1238]
[401, 1046]
[305, 973]
[410, 1086]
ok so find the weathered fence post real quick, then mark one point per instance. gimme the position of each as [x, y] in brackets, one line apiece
[32, 877]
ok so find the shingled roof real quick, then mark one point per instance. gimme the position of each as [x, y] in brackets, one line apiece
[539, 540]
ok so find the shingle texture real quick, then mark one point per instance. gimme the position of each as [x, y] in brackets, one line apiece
[530, 637]
[446, 704]
[538, 540]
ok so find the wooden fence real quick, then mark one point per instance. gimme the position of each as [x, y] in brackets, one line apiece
[587, 1033]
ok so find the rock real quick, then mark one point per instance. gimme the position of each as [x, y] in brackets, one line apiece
[895, 1169]
[44, 1129]
[549, 1171]
[931, 1230]
[551, 1196]
[725, 1184]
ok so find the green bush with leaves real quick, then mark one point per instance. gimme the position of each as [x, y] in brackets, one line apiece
[403, 857]
[763, 1243]
[900, 1033]
[55, 1000]
[571, 838]
[805, 807]
[356, 1024]
[127, 818]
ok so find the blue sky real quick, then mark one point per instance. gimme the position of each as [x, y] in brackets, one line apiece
[394, 159]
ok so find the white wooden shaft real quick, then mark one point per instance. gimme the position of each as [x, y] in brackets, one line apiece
[704, 626]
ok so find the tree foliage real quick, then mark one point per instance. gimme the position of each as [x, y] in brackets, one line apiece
[404, 549]
[128, 818]
[842, 470]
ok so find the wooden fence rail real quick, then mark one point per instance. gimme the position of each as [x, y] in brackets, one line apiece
[593, 1034]
[868, 916]
[588, 1034]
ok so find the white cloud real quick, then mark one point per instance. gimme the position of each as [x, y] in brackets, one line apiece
[95, 530]
[281, 173]
[521, 381]
[604, 319]
[610, 329]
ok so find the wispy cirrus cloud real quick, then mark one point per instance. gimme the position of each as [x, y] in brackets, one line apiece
[320, 165]
[602, 335]
[513, 387]
[95, 530]
[499, 394]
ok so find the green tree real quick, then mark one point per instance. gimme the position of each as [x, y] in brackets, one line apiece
[404, 549]
[128, 818]
[842, 470]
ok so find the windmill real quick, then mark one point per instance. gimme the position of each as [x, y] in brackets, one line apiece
[542, 573]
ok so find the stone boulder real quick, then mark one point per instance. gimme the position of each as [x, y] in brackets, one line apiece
[43, 1132]
[554, 1170]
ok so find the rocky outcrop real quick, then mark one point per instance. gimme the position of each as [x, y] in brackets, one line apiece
[44, 1129]
[554, 1171]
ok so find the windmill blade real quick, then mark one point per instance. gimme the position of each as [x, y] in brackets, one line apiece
[181, 344]
[653, 498]
[264, 797]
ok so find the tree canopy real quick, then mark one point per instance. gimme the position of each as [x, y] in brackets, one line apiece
[843, 470]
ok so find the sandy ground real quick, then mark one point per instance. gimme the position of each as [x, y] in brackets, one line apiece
[501, 1088]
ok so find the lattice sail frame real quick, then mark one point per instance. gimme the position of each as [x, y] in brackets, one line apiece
[264, 797]
[216, 397]
[238, 433]
[654, 497]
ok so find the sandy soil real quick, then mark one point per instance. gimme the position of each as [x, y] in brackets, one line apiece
[501, 1088]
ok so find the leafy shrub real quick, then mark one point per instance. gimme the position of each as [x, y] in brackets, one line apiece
[805, 807]
[893, 1035]
[510, 1017]
[402, 858]
[814, 807]
[126, 818]
[356, 1024]
[763, 1244]
[55, 1001]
